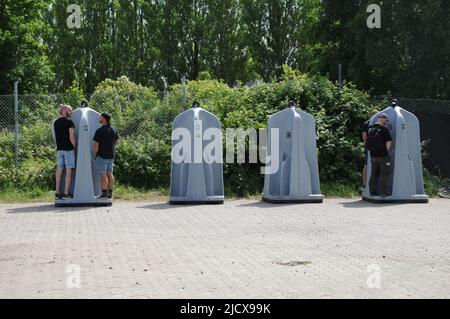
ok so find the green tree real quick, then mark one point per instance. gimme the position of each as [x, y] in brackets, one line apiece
[275, 30]
[227, 55]
[22, 49]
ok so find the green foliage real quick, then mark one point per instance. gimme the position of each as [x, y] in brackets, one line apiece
[22, 52]
[145, 124]
[126, 101]
[238, 41]
[338, 114]
[143, 162]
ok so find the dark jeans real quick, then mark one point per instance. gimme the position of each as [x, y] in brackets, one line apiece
[381, 169]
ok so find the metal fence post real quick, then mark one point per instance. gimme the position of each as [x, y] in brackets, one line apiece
[16, 122]
[184, 102]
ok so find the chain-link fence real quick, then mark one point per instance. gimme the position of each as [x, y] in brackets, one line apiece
[26, 140]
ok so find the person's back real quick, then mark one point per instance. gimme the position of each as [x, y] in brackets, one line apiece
[62, 128]
[379, 142]
[106, 136]
[65, 145]
[377, 137]
[105, 140]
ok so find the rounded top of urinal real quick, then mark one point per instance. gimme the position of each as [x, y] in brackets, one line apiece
[292, 104]
[394, 103]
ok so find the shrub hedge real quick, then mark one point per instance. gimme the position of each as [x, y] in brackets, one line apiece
[144, 121]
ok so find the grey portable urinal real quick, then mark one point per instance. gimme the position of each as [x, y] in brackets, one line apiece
[406, 180]
[195, 179]
[297, 179]
[86, 183]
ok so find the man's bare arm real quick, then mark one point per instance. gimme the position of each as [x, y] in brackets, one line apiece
[364, 137]
[72, 136]
[95, 149]
[388, 146]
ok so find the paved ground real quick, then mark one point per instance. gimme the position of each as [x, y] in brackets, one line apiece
[243, 249]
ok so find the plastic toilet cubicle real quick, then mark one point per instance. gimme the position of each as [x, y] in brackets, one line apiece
[195, 179]
[297, 179]
[86, 183]
[406, 178]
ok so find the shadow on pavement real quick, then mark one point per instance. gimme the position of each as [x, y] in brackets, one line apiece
[263, 204]
[50, 208]
[363, 204]
[158, 206]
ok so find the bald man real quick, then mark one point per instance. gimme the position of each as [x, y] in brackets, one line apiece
[65, 143]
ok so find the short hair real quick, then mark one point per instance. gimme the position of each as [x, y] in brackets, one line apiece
[63, 107]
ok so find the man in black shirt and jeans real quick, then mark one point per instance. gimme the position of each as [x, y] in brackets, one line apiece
[379, 143]
[105, 140]
[65, 145]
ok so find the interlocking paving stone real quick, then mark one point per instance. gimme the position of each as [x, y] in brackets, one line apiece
[243, 249]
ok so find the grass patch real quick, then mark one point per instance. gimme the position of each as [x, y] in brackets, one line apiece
[121, 193]
[434, 183]
[128, 193]
[331, 190]
[11, 195]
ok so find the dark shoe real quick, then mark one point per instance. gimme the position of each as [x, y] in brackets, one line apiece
[58, 196]
[67, 196]
[110, 195]
[102, 196]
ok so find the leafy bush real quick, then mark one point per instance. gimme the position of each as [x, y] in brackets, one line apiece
[127, 102]
[145, 124]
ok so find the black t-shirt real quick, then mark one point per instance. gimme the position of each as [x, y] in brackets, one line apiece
[62, 126]
[387, 137]
[106, 136]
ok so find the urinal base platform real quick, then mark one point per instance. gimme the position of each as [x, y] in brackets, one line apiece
[387, 200]
[196, 203]
[213, 201]
[317, 200]
[70, 203]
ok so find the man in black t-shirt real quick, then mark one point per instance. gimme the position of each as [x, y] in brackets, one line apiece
[65, 146]
[379, 143]
[105, 141]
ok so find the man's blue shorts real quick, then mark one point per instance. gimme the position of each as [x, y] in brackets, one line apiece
[103, 166]
[65, 159]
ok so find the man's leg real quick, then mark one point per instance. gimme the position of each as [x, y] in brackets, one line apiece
[365, 176]
[111, 181]
[101, 168]
[111, 178]
[385, 172]
[366, 158]
[70, 165]
[59, 173]
[69, 172]
[104, 177]
[375, 172]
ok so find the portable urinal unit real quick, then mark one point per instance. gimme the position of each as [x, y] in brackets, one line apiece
[406, 178]
[86, 183]
[197, 163]
[297, 178]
